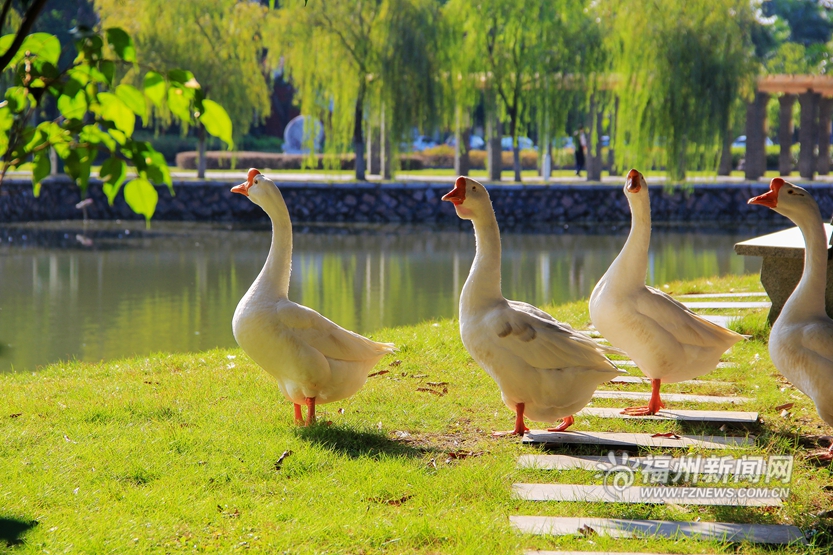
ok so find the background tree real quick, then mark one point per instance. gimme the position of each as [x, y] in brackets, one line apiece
[680, 65]
[226, 44]
[95, 114]
[513, 49]
[343, 56]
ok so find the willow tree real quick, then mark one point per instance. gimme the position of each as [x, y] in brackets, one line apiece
[225, 43]
[679, 66]
[344, 56]
[512, 47]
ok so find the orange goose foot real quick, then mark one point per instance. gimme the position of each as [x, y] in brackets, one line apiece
[520, 427]
[655, 404]
[299, 418]
[565, 423]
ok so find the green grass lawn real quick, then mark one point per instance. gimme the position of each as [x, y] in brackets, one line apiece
[178, 453]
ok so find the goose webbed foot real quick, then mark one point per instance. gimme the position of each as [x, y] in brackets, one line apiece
[565, 423]
[520, 427]
[655, 404]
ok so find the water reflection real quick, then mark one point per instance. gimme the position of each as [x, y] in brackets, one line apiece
[113, 289]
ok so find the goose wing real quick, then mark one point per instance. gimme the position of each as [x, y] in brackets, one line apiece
[818, 338]
[326, 336]
[675, 318]
[542, 341]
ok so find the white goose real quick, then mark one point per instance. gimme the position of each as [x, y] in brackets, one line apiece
[313, 359]
[667, 341]
[544, 369]
[801, 341]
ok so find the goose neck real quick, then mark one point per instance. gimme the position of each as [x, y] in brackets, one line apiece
[632, 263]
[274, 277]
[808, 297]
[483, 282]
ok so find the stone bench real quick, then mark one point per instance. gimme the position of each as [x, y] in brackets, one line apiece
[783, 264]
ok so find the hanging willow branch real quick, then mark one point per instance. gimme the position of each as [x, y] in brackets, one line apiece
[680, 65]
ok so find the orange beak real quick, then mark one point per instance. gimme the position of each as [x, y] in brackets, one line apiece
[458, 194]
[770, 198]
[634, 181]
[243, 188]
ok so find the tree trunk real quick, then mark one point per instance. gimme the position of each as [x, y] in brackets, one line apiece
[725, 165]
[201, 164]
[358, 140]
[516, 151]
[386, 157]
[785, 133]
[462, 163]
[493, 134]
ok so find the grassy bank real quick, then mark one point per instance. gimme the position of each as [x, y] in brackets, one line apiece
[176, 453]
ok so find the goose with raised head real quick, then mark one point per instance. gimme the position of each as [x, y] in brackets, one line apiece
[801, 340]
[666, 340]
[544, 368]
[313, 359]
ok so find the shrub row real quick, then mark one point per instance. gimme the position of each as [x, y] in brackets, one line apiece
[438, 157]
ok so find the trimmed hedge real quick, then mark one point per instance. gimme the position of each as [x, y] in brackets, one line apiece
[438, 157]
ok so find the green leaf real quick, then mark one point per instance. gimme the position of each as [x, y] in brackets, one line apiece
[181, 76]
[155, 87]
[113, 109]
[6, 118]
[133, 98]
[16, 97]
[120, 137]
[157, 169]
[142, 197]
[179, 104]
[41, 169]
[94, 135]
[113, 172]
[108, 70]
[73, 106]
[121, 43]
[41, 45]
[77, 164]
[216, 121]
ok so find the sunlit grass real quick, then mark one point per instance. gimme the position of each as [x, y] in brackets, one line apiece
[176, 453]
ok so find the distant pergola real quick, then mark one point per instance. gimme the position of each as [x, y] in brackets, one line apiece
[815, 95]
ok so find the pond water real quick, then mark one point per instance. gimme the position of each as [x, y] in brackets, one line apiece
[110, 289]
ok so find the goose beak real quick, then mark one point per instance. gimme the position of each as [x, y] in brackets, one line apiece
[243, 188]
[770, 198]
[458, 194]
[634, 181]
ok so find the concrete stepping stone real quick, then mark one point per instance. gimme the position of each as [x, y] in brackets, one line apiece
[693, 465]
[720, 295]
[669, 397]
[632, 364]
[630, 380]
[674, 495]
[633, 440]
[676, 415]
[727, 305]
[625, 528]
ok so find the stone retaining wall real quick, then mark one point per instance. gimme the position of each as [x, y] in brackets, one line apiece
[515, 205]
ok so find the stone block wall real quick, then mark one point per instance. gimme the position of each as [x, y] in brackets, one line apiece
[516, 206]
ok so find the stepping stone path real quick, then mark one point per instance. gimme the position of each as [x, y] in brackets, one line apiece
[627, 493]
[626, 528]
[631, 440]
[670, 397]
[638, 494]
[735, 417]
